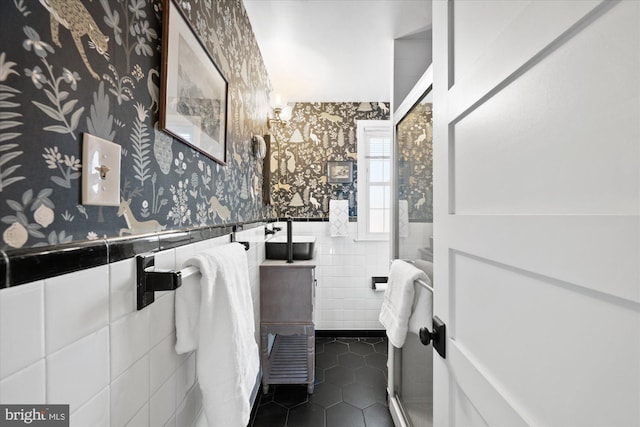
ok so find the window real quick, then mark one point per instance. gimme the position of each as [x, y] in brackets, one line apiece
[374, 179]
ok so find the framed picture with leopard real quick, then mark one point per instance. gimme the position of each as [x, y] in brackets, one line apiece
[193, 98]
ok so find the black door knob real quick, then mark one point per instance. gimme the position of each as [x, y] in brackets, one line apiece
[426, 336]
[438, 337]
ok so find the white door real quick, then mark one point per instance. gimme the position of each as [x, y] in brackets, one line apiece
[537, 224]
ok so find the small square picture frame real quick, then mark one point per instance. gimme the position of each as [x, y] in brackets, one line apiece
[339, 171]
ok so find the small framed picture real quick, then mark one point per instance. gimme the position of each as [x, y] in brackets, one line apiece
[339, 171]
[193, 97]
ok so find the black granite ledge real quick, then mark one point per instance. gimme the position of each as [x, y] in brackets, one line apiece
[121, 248]
[29, 265]
[25, 265]
[174, 239]
[4, 261]
[20, 266]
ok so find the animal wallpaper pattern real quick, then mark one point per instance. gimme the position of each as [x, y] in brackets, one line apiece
[315, 134]
[415, 162]
[74, 66]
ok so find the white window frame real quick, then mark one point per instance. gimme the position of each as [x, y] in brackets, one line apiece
[363, 177]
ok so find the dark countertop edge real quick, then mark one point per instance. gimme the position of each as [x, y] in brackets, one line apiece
[307, 263]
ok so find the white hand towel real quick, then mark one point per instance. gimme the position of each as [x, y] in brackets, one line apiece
[401, 300]
[338, 218]
[403, 218]
[216, 319]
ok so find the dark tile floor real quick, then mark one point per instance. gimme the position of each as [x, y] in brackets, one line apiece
[350, 389]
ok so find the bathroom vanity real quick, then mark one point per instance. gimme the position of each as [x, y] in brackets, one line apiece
[287, 293]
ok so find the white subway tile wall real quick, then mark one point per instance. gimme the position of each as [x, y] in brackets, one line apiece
[162, 405]
[79, 371]
[141, 419]
[76, 304]
[344, 298]
[129, 340]
[123, 296]
[78, 339]
[25, 385]
[94, 413]
[24, 306]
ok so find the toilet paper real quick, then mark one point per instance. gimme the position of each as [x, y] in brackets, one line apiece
[380, 287]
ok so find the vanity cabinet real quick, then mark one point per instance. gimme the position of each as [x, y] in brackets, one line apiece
[287, 293]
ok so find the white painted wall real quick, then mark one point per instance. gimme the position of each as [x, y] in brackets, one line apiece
[411, 57]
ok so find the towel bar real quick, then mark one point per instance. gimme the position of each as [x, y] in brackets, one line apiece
[419, 281]
[150, 279]
[233, 238]
[424, 285]
[381, 279]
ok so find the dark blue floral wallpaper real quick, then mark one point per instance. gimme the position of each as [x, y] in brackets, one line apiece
[415, 162]
[317, 133]
[74, 66]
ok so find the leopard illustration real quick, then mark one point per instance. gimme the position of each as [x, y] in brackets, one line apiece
[74, 17]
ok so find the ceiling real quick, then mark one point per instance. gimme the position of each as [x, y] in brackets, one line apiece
[333, 50]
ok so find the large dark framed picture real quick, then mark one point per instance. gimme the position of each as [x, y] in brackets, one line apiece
[193, 104]
[339, 171]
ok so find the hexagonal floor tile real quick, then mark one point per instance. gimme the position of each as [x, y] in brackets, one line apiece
[326, 360]
[350, 389]
[381, 347]
[270, 415]
[290, 395]
[370, 376]
[378, 416]
[377, 360]
[344, 415]
[266, 398]
[326, 395]
[362, 396]
[319, 377]
[336, 348]
[307, 415]
[361, 348]
[320, 342]
[339, 375]
[350, 360]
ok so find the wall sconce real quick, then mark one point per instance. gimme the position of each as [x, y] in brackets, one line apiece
[281, 111]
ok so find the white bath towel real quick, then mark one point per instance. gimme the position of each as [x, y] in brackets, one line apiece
[401, 301]
[403, 218]
[338, 218]
[216, 319]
